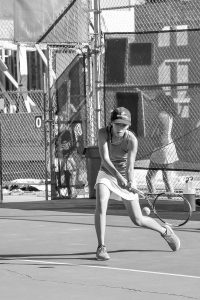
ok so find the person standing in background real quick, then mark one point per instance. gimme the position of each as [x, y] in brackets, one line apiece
[165, 154]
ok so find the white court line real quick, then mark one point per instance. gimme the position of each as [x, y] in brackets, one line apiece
[109, 268]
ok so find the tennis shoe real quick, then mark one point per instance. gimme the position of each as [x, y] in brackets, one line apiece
[171, 238]
[101, 253]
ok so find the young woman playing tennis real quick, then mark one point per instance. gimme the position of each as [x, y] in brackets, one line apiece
[118, 149]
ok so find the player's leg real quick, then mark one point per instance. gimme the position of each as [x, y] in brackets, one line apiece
[68, 183]
[73, 182]
[102, 197]
[135, 214]
[150, 178]
[167, 181]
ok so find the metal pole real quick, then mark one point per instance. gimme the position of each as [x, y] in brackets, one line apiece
[96, 67]
[50, 124]
[45, 137]
[1, 170]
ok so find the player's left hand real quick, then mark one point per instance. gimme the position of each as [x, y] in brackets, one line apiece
[130, 187]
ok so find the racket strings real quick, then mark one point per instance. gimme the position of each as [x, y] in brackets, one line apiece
[172, 209]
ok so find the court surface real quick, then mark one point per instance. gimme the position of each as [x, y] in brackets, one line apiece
[47, 251]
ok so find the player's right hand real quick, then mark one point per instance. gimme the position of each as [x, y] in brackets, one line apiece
[122, 182]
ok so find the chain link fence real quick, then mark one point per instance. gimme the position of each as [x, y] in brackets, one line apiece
[22, 143]
[141, 72]
[68, 41]
[160, 57]
[151, 57]
[68, 45]
[71, 26]
[68, 108]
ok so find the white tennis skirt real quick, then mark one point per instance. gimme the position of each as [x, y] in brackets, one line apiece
[117, 193]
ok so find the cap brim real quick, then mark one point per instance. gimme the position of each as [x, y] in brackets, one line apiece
[120, 121]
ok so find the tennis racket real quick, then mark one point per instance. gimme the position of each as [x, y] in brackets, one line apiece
[170, 208]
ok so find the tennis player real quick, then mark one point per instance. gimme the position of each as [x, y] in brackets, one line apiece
[118, 149]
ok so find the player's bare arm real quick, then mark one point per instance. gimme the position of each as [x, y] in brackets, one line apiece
[132, 152]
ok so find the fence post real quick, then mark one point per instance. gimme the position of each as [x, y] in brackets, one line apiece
[96, 61]
[50, 125]
[1, 173]
[45, 136]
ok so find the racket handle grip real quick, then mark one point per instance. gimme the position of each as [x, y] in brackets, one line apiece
[136, 191]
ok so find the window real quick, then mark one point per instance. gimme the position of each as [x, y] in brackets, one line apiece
[164, 37]
[182, 36]
[115, 57]
[140, 54]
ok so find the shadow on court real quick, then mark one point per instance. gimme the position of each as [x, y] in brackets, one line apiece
[47, 251]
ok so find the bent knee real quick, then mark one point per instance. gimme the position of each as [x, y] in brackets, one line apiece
[138, 221]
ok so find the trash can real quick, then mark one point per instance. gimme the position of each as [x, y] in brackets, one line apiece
[93, 162]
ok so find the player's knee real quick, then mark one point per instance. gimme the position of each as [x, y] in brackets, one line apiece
[138, 221]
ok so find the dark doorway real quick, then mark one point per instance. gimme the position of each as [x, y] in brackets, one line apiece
[131, 102]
